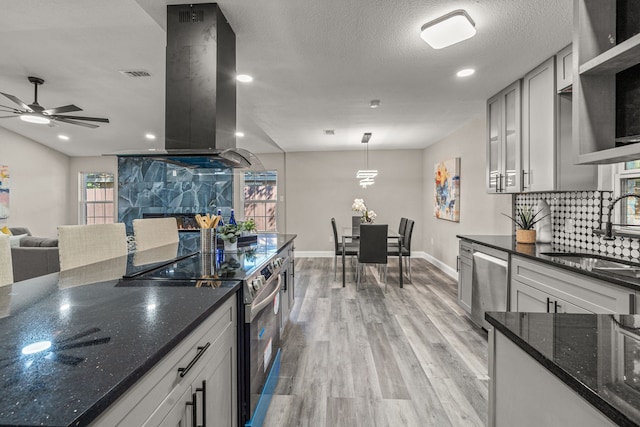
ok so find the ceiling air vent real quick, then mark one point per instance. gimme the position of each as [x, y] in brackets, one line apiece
[329, 132]
[135, 73]
[191, 16]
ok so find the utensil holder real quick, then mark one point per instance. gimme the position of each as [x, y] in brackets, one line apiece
[207, 240]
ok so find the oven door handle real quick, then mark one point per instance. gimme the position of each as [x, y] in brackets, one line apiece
[262, 304]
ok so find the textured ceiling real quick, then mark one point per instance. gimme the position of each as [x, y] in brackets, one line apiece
[316, 65]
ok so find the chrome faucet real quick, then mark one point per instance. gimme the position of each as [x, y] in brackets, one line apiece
[608, 232]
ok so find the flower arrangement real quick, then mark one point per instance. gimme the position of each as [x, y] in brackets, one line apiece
[230, 232]
[366, 215]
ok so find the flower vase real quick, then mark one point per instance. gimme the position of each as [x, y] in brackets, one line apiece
[230, 247]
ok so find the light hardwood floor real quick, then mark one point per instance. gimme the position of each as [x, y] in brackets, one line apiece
[407, 357]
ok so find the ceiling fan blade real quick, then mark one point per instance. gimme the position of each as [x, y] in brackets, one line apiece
[17, 101]
[89, 119]
[73, 122]
[65, 109]
[13, 109]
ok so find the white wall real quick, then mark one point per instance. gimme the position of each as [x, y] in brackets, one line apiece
[78, 165]
[39, 182]
[321, 185]
[480, 213]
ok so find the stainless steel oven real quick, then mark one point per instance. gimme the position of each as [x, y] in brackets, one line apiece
[261, 341]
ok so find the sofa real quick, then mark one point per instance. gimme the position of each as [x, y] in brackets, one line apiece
[33, 256]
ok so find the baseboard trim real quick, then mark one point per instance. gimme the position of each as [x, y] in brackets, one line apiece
[451, 272]
[314, 254]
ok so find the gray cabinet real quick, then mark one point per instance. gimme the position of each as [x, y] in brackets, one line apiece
[539, 287]
[539, 127]
[524, 393]
[201, 370]
[599, 60]
[504, 141]
[465, 275]
[564, 69]
[547, 156]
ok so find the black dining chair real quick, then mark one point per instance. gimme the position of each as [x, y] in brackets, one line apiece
[351, 249]
[401, 229]
[372, 249]
[355, 223]
[394, 250]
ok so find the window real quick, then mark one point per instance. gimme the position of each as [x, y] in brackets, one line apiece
[97, 198]
[260, 199]
[626, 213]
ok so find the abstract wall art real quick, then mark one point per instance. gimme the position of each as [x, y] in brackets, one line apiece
[447, 190]
[4, 192]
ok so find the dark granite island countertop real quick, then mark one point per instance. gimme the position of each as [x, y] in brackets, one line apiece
[539, 251]
[67, 353]
[597, 356]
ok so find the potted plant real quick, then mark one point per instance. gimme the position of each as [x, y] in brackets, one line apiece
[525, 218]
[229, 233]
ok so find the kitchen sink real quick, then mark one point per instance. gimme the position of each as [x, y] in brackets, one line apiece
[596, 263]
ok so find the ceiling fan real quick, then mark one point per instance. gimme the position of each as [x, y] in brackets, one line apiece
[35, 113]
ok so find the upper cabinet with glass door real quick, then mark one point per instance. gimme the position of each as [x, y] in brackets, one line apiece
[503, 145]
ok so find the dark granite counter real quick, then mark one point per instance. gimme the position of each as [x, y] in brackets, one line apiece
[543, 252]
[73, 342]
[595, 355]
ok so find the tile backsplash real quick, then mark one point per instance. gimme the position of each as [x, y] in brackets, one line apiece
[575, 214]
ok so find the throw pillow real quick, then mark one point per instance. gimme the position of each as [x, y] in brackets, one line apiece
[5, 230]
[14, 241]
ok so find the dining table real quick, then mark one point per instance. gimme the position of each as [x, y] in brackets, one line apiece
[353, 233]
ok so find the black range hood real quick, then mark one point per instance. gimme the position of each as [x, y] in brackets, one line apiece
[200, 106]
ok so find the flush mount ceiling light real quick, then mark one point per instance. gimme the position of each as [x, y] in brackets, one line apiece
[150, 136]
[366, 175]
[34, 118]
[63, 137]
[448, 29]
[466, 72]
[244, 78]
[375, 103]
[240, 134]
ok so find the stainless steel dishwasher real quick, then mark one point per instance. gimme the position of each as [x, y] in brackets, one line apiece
[490, 284]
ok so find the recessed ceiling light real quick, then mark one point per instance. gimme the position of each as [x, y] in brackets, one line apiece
[150, 136]
[63, 137]
[240, 134]
[466, 72]
[244, 78]
[375, 103]
[448, 29]
[34, 118]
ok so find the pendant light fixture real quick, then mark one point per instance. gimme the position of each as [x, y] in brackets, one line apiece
[366, 175]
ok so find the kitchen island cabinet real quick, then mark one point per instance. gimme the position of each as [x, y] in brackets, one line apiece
[563, 369]
[197, 378]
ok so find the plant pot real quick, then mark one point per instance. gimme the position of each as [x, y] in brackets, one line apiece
[230, 247]
[526, 236]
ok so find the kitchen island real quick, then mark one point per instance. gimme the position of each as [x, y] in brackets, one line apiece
[81, 347]
[564, 369]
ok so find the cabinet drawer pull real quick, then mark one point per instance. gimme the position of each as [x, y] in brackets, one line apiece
[201, 350]
[203, 389]
[524, 187]
[457, 264]
[194, 410]
[632, 303]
